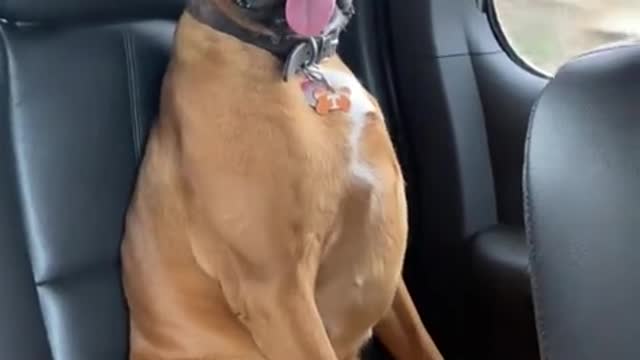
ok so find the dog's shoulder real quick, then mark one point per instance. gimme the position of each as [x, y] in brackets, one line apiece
[343, 74]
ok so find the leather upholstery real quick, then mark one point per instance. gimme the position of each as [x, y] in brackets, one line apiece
[76, 105]
[582, 184]
[65, 11]
[76, 102]
[501, 323]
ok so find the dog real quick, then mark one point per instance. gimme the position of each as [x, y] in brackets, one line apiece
[269, 217]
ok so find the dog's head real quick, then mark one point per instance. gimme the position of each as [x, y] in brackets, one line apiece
[301, 18]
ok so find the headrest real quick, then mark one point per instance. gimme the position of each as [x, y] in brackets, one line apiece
[60, 11]
[582, 191]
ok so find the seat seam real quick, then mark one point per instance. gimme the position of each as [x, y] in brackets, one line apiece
[19, 189]
[134, 93]
[84, 270]
[539, 313]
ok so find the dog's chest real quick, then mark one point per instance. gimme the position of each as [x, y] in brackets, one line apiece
[364, 233]
[357, 277]
[347, 96]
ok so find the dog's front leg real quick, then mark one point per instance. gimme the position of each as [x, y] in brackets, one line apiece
[283, 320]
[275, 302]
[402, 332]
[266, 270]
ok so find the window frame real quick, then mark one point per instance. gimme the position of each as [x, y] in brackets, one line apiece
[505, 44]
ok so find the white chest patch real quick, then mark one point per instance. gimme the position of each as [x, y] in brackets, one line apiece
[361, 105]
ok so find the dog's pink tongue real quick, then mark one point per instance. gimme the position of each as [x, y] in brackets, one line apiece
[309, 17]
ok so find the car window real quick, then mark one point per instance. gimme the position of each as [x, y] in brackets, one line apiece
[547, 33]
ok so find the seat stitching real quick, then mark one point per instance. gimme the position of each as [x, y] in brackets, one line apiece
[543, 341]
[19, 188]
[137, 98]
[81, 271]
[134, 94]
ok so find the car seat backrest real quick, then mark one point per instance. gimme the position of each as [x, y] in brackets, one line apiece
[582, 183]
[79, 84]
[82, 11]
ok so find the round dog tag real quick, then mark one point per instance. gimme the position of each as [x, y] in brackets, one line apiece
[301, 57]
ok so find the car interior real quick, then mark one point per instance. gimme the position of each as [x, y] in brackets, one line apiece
[80, 86]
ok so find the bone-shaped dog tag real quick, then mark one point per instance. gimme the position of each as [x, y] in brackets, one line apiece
[323, 97]
[329, 100]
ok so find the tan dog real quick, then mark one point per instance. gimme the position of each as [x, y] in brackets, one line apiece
[260, 228]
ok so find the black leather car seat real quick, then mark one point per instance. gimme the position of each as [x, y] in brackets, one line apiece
[582, 184]
[80, 81]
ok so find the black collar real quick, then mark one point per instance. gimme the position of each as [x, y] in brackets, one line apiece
[297, 54]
